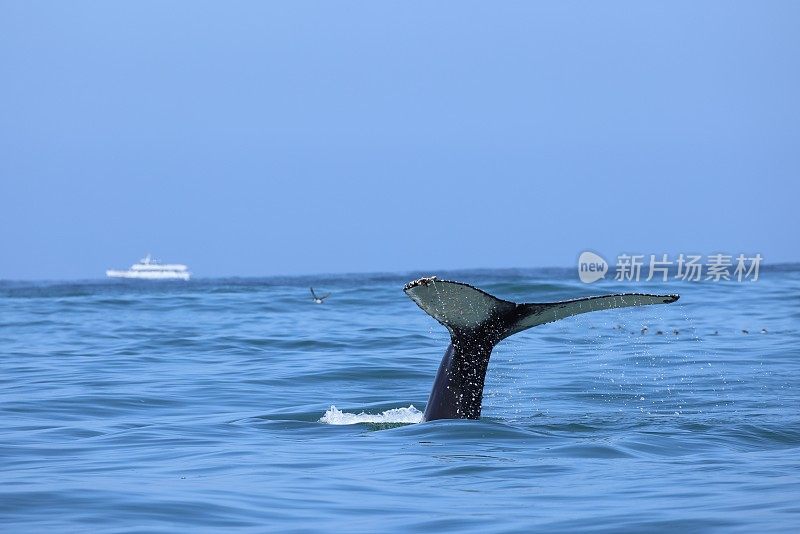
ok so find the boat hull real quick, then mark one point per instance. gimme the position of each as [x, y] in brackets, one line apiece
[149, 275]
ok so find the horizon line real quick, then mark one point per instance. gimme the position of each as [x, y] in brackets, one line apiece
[412, 272]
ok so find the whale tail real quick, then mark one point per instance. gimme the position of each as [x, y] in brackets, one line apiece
[461, 307]
[477, 321]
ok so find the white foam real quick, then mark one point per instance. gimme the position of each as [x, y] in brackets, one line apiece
[395, 415]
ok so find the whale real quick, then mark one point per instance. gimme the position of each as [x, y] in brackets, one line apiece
[477, 322]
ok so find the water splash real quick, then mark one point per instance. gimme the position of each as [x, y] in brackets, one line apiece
[395, 415]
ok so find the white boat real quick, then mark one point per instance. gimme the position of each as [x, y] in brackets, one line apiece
[150, 269]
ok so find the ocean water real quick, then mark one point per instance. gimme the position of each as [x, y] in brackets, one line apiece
[239, 404]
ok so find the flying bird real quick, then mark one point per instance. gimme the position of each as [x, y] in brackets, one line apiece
[318, 299]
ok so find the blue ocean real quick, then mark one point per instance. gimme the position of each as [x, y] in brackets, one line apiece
[242, 405]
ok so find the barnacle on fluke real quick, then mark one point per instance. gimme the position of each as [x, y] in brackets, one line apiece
[424, 281]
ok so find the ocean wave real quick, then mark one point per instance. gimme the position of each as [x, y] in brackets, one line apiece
[395, 415]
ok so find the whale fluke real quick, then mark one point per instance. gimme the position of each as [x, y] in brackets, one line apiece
[477, 321]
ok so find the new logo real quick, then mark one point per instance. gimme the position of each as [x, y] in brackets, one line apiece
[591, 267]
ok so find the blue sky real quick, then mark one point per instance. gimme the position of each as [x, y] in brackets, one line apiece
[259, 138]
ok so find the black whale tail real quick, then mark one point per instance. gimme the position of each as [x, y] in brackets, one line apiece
[462, 308]
[477, 321]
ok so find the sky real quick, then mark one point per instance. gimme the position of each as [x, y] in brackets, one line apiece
[254, 138]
